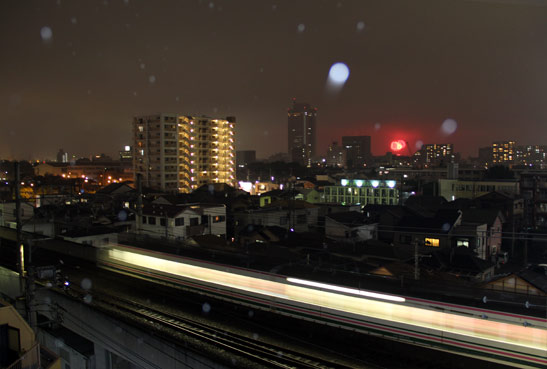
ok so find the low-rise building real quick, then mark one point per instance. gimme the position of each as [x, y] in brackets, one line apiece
[363, 192]
[452, 189]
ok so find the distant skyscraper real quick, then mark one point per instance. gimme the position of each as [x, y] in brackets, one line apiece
[245, 157]
[357, 150]
[302, 135]
[503, 152]
[62, 156]
[177, 153]
[336, 155]
[485, 155]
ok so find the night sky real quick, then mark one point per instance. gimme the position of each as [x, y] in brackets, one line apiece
[73, 74]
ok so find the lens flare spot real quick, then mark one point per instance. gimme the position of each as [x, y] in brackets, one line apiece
[339, 73]
[449, 126]
[46, 33]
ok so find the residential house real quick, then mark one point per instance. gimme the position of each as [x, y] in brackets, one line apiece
[428, 233]
[531, 281]
[293, 215]
[459, 262]
[491, 242]
[349, 227]
[309, 195]
[183, 221]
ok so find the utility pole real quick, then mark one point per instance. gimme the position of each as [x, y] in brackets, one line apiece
[26, 286]
[416, 261]
[19, 240]
[139, 203]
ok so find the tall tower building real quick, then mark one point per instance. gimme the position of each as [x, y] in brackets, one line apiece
[302, 133]
[177, 153]
[503, 152]
[357, 150]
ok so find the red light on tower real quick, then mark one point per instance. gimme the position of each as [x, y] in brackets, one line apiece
[397, 145]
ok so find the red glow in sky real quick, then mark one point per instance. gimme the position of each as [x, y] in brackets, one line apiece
[397, 145]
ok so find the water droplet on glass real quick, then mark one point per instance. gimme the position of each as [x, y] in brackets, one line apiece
[152, 79]
[301, 28]
[177, 99]
[255, 336]
[274, 7]
[211, 5]
[142, 66]
[445, 227]
[46, 33]
[449, 126]
[419, 144]
[73, 20]
[251, 313]
[88, 299]
[134, 93]
[360, 26]
[377, 126]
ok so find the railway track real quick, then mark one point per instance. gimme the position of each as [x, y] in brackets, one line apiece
[258, 352]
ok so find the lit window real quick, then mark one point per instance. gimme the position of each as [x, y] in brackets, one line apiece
[432, 242]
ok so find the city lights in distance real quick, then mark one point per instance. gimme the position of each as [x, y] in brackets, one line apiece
[397, 145]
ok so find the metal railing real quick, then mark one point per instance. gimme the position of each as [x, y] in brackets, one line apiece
[29, 360]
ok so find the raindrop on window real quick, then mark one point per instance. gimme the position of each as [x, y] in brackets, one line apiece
[301, 28]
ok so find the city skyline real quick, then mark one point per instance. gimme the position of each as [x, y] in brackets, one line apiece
[75, 75]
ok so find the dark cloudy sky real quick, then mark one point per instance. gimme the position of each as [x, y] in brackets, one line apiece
[73, 73]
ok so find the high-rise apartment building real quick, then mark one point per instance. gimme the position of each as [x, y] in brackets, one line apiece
[357, 150]
[531, 155]
[503, 152]
[177, 153]
[436, 154]
[302, 135]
